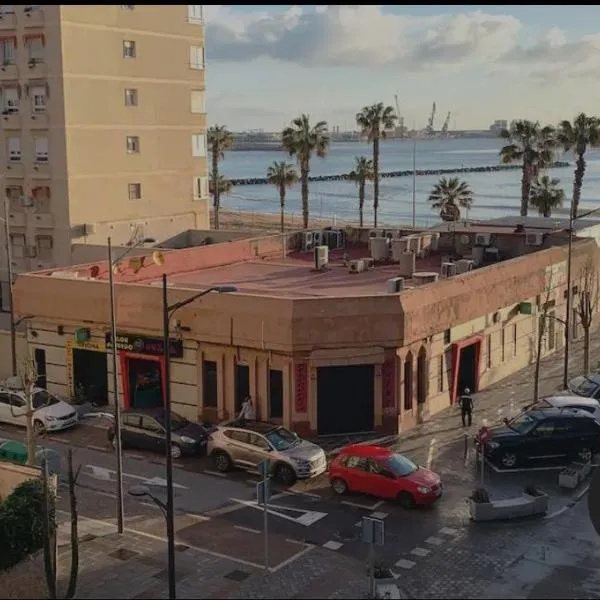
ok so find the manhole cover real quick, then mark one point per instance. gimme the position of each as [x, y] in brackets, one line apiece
[237, 575]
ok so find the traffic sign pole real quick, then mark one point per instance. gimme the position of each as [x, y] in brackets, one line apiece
[263, 494]
[484, 434]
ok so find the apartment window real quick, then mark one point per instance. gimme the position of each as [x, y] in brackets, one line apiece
[14, 193]
[7, 49]
[133, 144]
[198, 144]
[17, 245]
[7, 9]
[514, 334]
[195, 13]
[35, 49]
[38, 99]
[14, 149]
[41, 150]
[128, 49]
[44, 245]
[441, 374]
[198, 105]
[131, 97]
[200, 187]
[135, 191]
[502, 342]
[210, 384]
[489, 351]
[11, 100]
[197, 57]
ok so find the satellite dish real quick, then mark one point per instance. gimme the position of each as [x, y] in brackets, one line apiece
[136, 263]
[594, 501]
[116, 269]
[94, 271]
[158, 258]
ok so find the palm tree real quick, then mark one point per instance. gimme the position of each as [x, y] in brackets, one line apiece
[302, 141]
[283, 176]
[584, 132]
[531, 144]
[449, 196]
[374, 122]
[219, 141]
[363, 171]
[223, 185]
[546, 195]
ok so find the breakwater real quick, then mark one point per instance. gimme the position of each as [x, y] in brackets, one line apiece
[418, 172]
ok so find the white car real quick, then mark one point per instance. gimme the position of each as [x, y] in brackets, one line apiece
[51, 414]
[589, 405]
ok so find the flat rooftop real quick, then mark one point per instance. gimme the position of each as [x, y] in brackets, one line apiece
[296, 276]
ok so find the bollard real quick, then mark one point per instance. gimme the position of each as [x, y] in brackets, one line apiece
[466, 449]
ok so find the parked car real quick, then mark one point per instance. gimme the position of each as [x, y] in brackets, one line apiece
[144, 429]
[249, 444]
[588, 404]
[51, 414]
[587, 386]
[383, 473]
[542, 436]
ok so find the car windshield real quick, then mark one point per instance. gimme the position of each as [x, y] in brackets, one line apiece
[586, 388]
[541, 403]
[400, 465]
[282, 439]
[177, 421]
[522, 423]
[42, 398]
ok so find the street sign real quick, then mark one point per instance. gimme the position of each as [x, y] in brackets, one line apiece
[263, 492]
[263, 468]
[373, 531]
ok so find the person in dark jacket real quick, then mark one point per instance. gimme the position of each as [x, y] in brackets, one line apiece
[466, 407]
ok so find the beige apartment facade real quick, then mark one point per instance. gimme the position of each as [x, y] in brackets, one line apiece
[103, 126]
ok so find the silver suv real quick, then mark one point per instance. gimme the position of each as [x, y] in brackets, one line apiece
[247, 445]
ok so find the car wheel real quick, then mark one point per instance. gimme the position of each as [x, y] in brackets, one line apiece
[38, 427]
[175, 451]
[584, 455]
[221, 460]
[508, 460]
[285, 474]
[406, 500]
[339, 486]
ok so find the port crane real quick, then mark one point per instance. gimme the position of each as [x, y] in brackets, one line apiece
[400, 127]
[429, 129]
[446, 124]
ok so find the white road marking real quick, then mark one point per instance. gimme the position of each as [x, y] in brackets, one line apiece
[215, 473]
[299, 493]
[364, 506]
[307, 518]
[420, 551]
[291, 541]
[405, 564]
[449, 531]
[104, 474]
[291, 559]
[225, 510]
[135, 456]
[430, 453]
[378, 515]
[150, 504]
[107, 494]
[97, 448]
[434, 541]
[253, 481]
[247, 529]
[331, 545]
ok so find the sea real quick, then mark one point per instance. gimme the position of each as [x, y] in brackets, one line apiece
[496, 194]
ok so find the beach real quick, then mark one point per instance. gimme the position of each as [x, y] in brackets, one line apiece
[233, 220]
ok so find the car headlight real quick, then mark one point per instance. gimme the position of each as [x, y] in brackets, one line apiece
[492, 445]
[423, 490]
[187, 440]
[301, 462]
[49, 418]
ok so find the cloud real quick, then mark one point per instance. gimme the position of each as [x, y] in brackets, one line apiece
[358, 36]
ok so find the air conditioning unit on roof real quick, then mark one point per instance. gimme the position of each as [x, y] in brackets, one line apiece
[317, 237]
[482, 239]
[356, 266]
[308, 241]
[321, 257]
[534, 239]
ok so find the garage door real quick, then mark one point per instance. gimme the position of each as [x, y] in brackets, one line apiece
[345, 399]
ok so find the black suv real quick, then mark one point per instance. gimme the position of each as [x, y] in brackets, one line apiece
[543, 437]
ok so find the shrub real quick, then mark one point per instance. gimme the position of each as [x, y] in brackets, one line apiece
[481, 496]
[22, 523]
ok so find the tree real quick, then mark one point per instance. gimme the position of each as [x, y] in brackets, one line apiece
[534, 146]
[283, 176]
[224, 186]
[302, 141]
[545, 195]
[374, 122]
[449, 196]
[363, 172]
[541, 334]
[587, 306]
[219, 141]
[583, 132]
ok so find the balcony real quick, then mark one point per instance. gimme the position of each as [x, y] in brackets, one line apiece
[15, 170]
[41, 170]
[37, 67]
[43, 221]
[9, 71]
[37, 120]
[8, 21]
[17, 219]
[20, 265]
[10, 120]
[33, 17]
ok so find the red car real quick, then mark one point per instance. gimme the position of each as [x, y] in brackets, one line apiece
[380, 472]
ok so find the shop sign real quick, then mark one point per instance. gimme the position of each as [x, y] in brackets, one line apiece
[145, 345]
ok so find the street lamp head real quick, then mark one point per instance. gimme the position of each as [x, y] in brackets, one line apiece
[138, 491]
[225, 289]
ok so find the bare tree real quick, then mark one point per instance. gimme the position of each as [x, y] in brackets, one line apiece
[587, 306]
[543, 318]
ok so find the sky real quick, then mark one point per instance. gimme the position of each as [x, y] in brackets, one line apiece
[266, 65]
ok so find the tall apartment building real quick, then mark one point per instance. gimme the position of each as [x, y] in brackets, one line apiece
[103, 126]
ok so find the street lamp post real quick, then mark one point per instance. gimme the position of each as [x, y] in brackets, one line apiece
[168, 311]
[112, 263]
[11, 306]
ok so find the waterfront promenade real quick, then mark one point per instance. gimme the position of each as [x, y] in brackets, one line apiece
[406, 173]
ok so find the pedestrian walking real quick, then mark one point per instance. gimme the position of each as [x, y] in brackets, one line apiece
[247, 413]
[466, 407]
